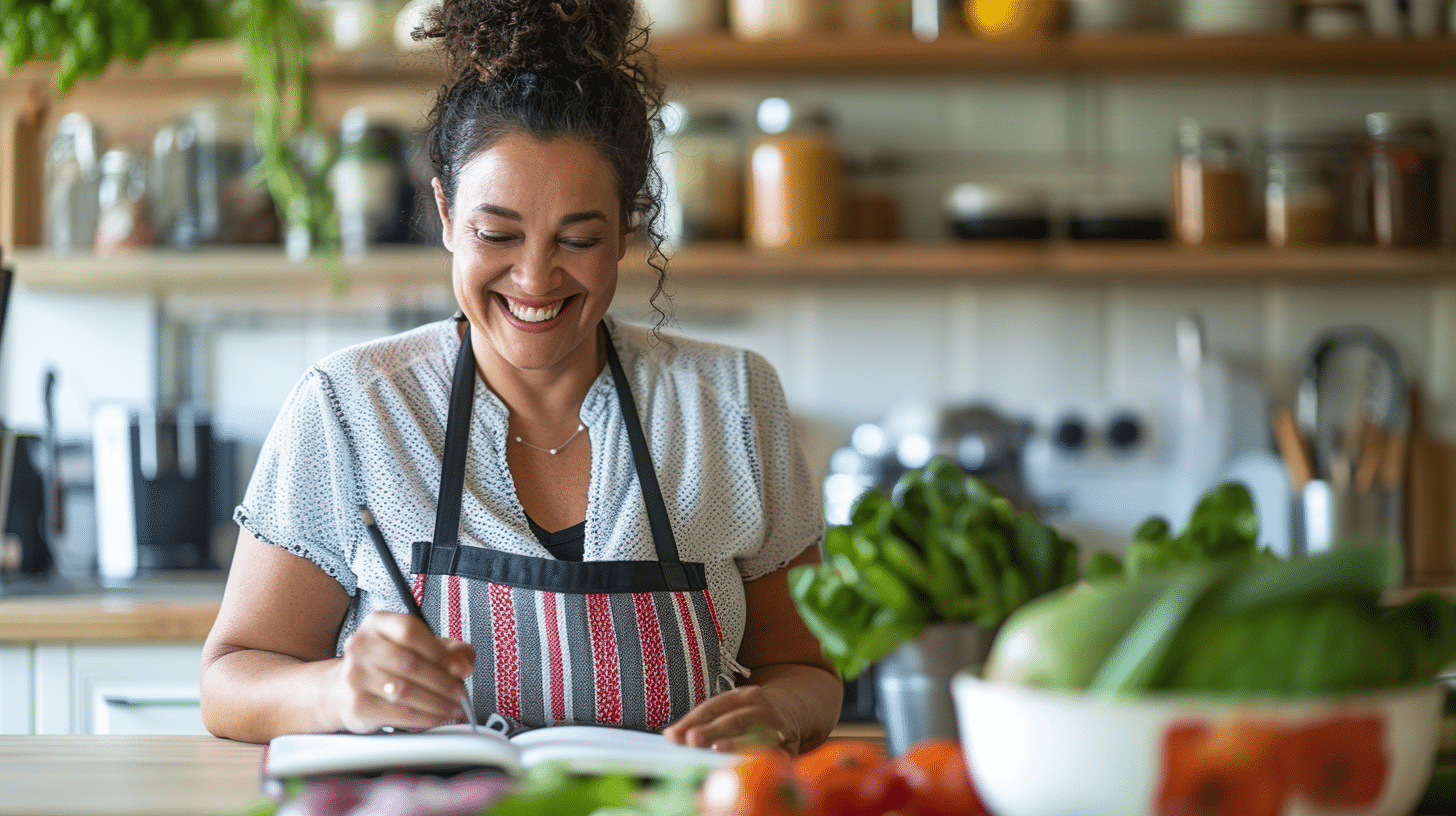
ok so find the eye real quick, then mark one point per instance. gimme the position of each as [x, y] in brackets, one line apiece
[580, 243]
[494, 237]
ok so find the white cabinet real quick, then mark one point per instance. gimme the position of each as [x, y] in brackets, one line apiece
[100, 689]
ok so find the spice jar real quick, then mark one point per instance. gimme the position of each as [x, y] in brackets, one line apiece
[125, 221]
[370, 183]
[704, 175]
[795, 193]
[1301, 190]
[1396, 182]
[1210, 187]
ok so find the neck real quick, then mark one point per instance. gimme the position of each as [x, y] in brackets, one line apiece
[543, 403]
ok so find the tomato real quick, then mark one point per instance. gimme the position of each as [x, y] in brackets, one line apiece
[850, 778]
[938, 781]
[756, 784]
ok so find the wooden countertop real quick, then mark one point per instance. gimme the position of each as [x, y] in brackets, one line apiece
[128, 776]
[149, 776]
[163, 611]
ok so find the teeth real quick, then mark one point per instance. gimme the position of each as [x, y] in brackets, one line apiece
[531, 314]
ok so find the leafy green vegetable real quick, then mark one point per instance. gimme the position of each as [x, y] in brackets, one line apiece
[1233, 626]
[1225, 523]
[941, 546]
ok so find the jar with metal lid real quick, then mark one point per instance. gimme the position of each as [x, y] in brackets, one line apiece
[1301, 187]
[1210, 187]
[703, 172]
[1396, 182]
[795, 186]
[370, 182]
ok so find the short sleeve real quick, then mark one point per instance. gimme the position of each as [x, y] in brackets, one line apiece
[303, 480]
[792, 511]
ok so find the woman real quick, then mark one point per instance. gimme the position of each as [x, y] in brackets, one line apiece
[598, 521]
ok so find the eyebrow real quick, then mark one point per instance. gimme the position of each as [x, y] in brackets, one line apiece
[569, 218]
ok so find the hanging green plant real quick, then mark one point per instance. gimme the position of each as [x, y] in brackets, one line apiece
[86, 36]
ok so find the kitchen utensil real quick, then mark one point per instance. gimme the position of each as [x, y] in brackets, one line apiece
[1293, 448]
[1034, 751]
[1351, 400]
[51, 469]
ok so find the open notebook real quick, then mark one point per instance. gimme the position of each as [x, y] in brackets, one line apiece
[582, 748]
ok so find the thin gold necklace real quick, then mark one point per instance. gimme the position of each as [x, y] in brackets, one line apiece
[553, 451]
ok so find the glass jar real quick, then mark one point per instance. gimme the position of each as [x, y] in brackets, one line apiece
[795, 188]
[1396, 182]
[1301, 191]
[1210, 187]
[124, 222]
[370, 183]
[704, 175]
[72, 185]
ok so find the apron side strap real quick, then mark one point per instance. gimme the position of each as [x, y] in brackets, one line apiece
[662, 536]
[457, 443]
[676, 577]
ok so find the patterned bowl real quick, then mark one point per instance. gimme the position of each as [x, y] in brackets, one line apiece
[1038, 752]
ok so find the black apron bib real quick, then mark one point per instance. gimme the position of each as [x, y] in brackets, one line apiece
[628, 643]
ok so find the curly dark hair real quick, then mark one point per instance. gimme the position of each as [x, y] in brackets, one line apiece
[550, 69]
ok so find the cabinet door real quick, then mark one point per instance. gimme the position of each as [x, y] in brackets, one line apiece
[137, 689]
[17, 693]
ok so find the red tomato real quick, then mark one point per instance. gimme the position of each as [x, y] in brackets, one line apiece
[939, 783]
[755, 784]
[850, 778]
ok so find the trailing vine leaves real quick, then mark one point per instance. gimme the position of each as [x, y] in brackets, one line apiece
[86, 36]
[275, 46]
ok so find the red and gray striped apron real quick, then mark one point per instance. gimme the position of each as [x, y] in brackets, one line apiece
[628, 643]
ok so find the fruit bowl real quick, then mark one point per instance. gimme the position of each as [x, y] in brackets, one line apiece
[1040, 752]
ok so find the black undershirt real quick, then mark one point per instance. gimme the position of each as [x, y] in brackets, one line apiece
[567, 545]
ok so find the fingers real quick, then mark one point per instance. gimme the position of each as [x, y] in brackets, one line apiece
[395, 672]
[736, 720]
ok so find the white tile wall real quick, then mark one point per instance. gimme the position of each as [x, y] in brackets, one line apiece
[847, 352]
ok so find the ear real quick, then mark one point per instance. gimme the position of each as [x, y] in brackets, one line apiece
[446, 233]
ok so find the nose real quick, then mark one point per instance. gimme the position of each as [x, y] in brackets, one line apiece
[536, 271]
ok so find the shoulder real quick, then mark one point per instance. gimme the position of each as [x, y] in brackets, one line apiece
[732, 373]
[385, 363]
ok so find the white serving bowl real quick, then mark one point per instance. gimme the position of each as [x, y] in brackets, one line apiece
[1039, 752]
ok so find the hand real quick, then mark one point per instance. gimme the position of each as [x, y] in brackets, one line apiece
[395, 672]
[744, 718]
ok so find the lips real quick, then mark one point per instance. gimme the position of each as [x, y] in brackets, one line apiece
[533, 315]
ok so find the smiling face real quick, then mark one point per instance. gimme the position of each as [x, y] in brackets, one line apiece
[536, 232]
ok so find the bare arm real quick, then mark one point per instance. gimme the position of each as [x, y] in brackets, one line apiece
[269, 665]
[792, 691]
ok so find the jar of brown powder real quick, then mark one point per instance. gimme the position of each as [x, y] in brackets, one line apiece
[1211, 203]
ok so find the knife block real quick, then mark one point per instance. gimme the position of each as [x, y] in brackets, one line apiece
[1430, 512]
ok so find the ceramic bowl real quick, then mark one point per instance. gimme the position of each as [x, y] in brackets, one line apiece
[1039, 752]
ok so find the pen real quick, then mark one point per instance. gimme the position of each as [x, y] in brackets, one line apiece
[405, 594]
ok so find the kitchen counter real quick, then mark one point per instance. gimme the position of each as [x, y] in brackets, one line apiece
[127, 776]
[174, 609]
[150, 776]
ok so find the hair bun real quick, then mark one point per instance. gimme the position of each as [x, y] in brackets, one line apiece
[492, 36]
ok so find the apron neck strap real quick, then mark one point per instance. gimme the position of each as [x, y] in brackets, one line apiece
[457, 442]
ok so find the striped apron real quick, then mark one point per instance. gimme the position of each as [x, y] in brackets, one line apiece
[626, 643]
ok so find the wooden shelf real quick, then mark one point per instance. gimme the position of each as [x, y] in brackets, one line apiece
[217, 66]
[258, 268]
